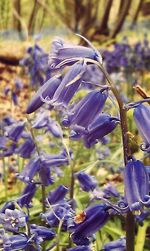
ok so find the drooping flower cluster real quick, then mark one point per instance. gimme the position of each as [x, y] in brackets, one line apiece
[88, 120]
[36, 64]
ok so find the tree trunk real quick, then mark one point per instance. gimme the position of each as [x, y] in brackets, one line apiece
[32, 19]
[103, 29]
[121, 18]
[43, 15]
[120, 7]
[135, 17]
[16, 22]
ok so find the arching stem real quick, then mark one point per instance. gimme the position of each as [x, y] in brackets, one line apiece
[130, 224]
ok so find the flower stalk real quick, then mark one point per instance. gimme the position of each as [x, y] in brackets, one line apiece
[130, 224]
[38, 152]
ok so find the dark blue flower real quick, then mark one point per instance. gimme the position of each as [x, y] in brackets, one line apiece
[14, 131]
[45, 175]
[26, 149]
[18, 84]
[54, 128]
[142, 119]
[61, 51]
[3, 142]
[7, 205]
[117, 245]
[80, 248]
[14, 98]
[110, 191]
[40, 121]
[136, 185]
[84, 112]
[87, 182]
[12, 220]
[57, 195]
[27, 195]
[30, 170]
[73, 79]
[15, 242]
[95, 217]
[9, 151]
[43, 232]
[46, 90]
[61, 211]
[101, 126]
[55, 159]
[141, 218]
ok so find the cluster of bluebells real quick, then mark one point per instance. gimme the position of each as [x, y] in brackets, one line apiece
[36, 65]
[129, 58]
[14, 91]
[88, 122]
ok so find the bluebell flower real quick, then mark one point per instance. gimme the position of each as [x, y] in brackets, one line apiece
[36, 64]
[87, 182]
[80, 248]
[46, 90]
[7, 205]
[95, 217]
[136, 185]
[14, 131]
[27, 195]
[73, 79]
[55, 159]
[45, 175]
[141, 218]
[40, 121]
[3, 142]
[61, 211]
[14, 98]
[117, 245]
[110, 191]
[43, 232]
[9, 151]
[26, 149]
[6, 91]
[57, 195]
[8, 121]
[43, 120]
[12, 220]
[30, 170]
[15, 242]
[54, 128]
[100, 127]
[142, 119]
[18, 85]
[61, 51]
[84, 112]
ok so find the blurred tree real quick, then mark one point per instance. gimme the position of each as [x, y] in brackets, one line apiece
[103, 27]
[17, 24]
[16, 21]
[135, 16]
[43, 15]
[124, 9]
[83, 16]
[94, 19]
[32, 18]
[4, 14]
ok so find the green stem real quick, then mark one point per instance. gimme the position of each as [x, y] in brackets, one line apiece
[72, 182]
[5, 178]
[58, 234]
[38, 152]
[130, 224]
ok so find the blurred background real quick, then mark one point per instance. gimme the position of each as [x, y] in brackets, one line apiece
[23, 23]
[98, 20]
